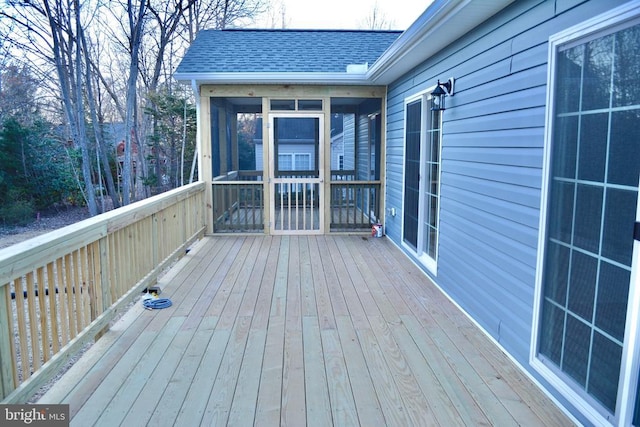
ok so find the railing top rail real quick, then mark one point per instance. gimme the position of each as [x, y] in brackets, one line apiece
[233, 175]
[351, 183]
[20, 258]
[238, 183]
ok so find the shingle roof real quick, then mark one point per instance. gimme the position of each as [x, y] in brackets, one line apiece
[282, 51]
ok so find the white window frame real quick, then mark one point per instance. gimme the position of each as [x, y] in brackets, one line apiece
[296, 158]
[431, 264]
[287, 156]
[595, 27]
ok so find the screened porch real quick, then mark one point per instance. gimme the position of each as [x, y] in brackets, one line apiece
[292, 162]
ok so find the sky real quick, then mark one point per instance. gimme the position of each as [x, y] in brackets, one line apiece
[344, 14]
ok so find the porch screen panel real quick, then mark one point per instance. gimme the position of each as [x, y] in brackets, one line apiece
[412, 172]
[229, 119]
[593, 191]
[215, 140]
[297, 178]
[375, 132]
[296, 147]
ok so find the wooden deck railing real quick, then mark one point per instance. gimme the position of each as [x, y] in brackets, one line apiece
[238, 202]
[58, 291]
[355, 205]
[343, 175]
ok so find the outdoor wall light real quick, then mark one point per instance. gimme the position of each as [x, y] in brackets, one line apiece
[439, 93]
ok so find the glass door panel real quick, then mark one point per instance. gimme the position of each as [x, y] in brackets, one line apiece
[592, 208]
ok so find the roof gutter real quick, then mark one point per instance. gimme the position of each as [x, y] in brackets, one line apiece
[443, 22]
[358, 78]
[196, 94]
[195, 88]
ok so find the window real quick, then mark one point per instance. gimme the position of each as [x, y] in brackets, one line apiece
[283, 104]
[294, 162]
[587, 247]
[285, 162]
[310, 105]
[302, 162]
[291, 104]
[422, 179]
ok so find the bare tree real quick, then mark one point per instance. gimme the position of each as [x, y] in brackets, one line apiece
[109, 59]
[167, 18]
[54, 33]
[376, 20]
[165, 41]
[68, 63]
[16, 86]
[101, 154]
[135, 17]
[221, 14]
[275, 15]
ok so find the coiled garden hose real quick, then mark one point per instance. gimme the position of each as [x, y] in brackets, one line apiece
[156, 303]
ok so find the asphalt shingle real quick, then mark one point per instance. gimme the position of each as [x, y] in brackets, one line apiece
[264, 51]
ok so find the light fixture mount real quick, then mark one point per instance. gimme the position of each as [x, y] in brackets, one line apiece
[440, 92]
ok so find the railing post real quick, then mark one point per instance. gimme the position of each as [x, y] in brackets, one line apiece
[154, 238]
[6, 344]
[184, 211]
[103, 272]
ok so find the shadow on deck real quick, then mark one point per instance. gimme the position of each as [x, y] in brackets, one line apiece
[299, 331]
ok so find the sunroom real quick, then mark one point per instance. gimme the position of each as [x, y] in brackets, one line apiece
[291, 140]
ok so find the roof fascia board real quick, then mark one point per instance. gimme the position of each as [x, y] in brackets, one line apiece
[271, 78]
[441, 23]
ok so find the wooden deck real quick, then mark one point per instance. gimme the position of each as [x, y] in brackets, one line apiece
[297, 331]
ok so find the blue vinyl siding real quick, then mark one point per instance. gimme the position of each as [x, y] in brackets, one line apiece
[492, 158]
[349, 142]
[362, 142]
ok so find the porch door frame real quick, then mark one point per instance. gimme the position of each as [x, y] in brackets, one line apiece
[313, 182]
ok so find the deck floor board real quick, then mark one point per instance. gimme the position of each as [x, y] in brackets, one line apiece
[299, 330]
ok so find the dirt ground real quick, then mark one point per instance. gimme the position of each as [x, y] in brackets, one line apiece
[44, 223]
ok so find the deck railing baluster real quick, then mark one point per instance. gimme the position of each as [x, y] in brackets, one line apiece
[354, 205]
[238, 202]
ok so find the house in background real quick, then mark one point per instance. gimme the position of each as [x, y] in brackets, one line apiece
[298, 145]
[519, 198]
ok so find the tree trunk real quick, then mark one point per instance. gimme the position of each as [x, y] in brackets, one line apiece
[102, 158]
[84, 144]
[135, 25]
[75, 118]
